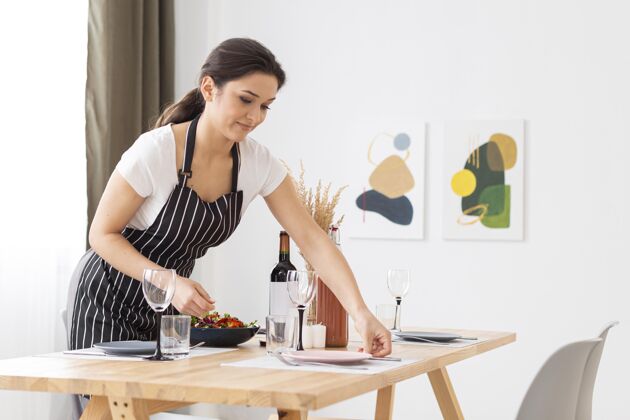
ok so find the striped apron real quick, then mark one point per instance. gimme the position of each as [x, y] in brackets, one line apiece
[109, 305]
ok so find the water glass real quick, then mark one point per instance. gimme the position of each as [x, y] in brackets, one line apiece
[281, 333]
[386, 313]
[175, 336]
[158, 287]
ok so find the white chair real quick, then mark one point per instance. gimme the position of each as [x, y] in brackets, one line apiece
[64, 318]
[563, 388]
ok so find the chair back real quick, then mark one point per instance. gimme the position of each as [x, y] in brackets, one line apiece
[585, 399]
[563, 388]
[554, 392]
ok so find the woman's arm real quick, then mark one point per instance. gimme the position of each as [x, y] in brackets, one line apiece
[330, 264]
[117, 206]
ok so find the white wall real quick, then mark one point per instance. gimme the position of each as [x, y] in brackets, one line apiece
[42, 179]
[560, 65]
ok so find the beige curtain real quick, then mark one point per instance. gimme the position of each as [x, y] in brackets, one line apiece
[130, 78]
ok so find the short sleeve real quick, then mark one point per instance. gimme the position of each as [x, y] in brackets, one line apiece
[135, 167]
[276, 172]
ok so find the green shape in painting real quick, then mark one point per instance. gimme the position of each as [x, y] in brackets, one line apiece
[498, 215]
[485, 177]
[494, 197]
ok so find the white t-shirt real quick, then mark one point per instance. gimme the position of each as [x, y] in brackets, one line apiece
[150, 167]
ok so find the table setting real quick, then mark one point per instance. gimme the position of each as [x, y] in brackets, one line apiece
[398, 285]
[285, 338]
[328, 361]
[136, 351]
[368, 367]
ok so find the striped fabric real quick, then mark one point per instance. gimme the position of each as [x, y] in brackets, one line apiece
[109, 305]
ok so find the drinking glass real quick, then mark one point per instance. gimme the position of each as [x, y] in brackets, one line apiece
[301, 285]
[158, 287]
[175, 336]
[386, 314]
[398, 285]
[280, 333]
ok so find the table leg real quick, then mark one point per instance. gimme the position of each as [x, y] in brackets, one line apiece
[292, 414]
[97, 409]
[101, 408]
[128, 408]
[443, 390]
[385, 403]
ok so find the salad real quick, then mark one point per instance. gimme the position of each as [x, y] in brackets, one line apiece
[214, 320]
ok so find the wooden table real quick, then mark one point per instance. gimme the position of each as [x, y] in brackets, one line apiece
[134, 390]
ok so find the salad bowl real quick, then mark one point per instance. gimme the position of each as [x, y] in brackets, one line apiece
[221, 331]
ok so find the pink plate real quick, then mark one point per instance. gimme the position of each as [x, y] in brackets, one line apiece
[330, 356]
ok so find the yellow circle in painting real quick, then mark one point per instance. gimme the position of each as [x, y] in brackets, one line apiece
[464, 183]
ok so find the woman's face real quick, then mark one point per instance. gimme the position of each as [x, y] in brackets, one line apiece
[240, 105]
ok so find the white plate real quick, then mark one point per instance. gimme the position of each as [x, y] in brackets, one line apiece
[328, 356]
[127, 347]
[433, 336]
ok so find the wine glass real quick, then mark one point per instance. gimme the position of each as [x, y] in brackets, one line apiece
[398, 285]
[301, 286]
[158, 287]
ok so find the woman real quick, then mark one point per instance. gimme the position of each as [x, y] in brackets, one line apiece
[182, 188]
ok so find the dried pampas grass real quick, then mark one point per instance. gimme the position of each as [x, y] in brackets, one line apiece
[318, 204]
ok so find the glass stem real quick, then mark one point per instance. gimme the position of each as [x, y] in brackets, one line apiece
[158, 349]
[300, 320]
[396, 326]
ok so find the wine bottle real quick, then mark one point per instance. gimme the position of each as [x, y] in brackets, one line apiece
[279, 302]
[330, 312]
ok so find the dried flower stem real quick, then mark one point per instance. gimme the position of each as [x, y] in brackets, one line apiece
[319, 204]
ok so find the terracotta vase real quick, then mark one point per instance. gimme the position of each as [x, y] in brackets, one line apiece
[331, 313]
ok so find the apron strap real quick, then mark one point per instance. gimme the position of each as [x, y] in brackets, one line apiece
[236, 166]
[189, 150]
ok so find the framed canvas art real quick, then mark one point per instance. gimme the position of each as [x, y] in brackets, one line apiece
[385, 197]
[483, 180]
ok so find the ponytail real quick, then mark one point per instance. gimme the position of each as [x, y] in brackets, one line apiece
[186, 109]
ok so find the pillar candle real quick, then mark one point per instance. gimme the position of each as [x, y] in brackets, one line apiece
[319, 336]
[307, 336]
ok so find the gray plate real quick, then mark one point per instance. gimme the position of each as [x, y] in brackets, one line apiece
[127, 347]
[433, 336]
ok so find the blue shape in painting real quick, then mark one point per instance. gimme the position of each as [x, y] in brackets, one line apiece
[402, 141]
[396, 210]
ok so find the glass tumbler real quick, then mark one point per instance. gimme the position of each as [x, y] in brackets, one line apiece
[175, 336]
[281, 334]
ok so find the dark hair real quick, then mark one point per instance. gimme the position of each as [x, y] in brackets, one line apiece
[230, 60]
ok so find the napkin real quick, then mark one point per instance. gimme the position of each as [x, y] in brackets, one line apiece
[98, 354]
[373, 366]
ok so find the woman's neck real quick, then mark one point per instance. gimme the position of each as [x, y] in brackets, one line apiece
[210, 142]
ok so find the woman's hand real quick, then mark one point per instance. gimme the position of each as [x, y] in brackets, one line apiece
[377, 340]
[191, 298]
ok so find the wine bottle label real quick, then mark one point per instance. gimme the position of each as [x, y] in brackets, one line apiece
[279, 301]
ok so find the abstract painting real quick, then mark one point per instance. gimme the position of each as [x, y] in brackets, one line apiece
[483, 188]
[385, 198]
